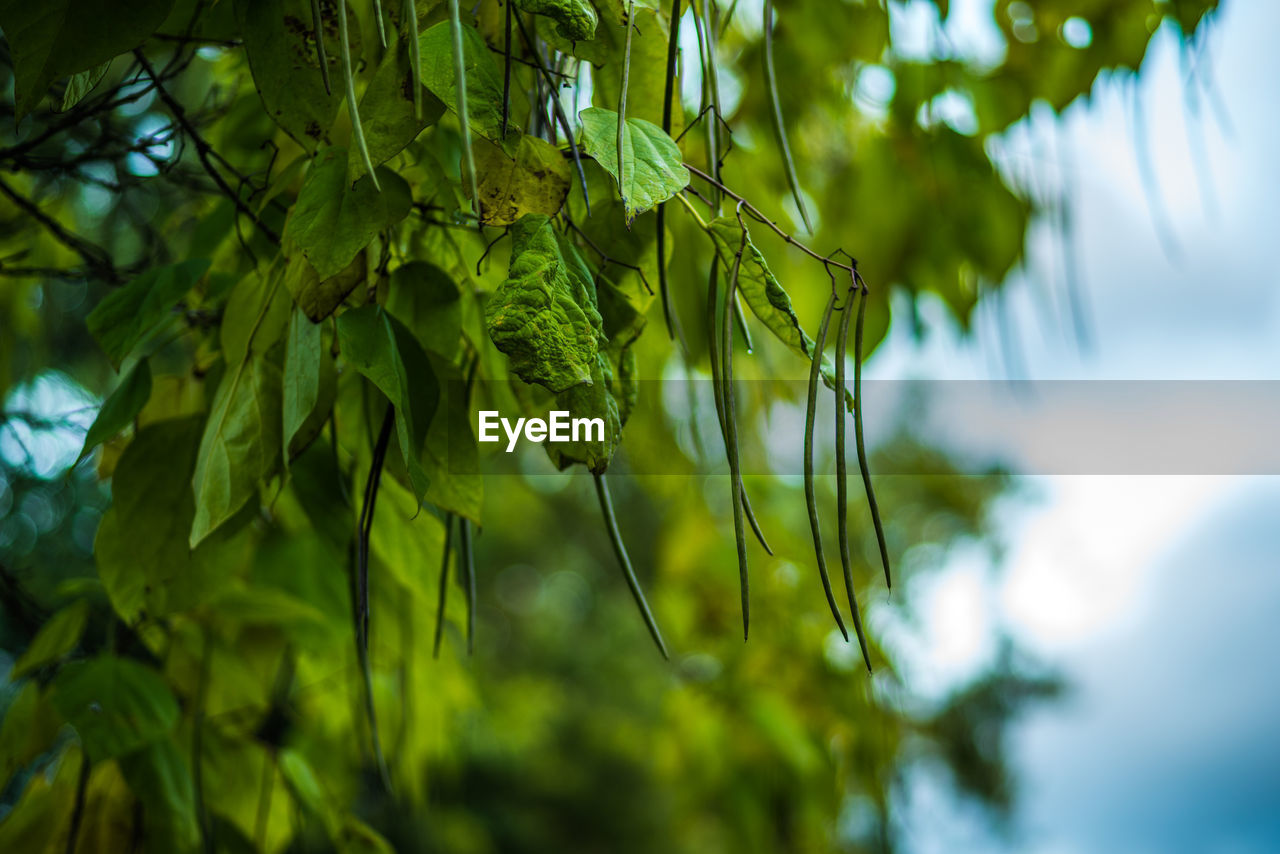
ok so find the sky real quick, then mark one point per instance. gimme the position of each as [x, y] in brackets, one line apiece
[1156, 597]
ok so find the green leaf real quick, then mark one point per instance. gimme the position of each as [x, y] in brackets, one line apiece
[386, 111]
[333, 220]
[451, 456]
[141, 548]
[257, 310]
[126, 315]
[535, 178]
[119, 410]
[428, 301]
[652, 168]
[30, 728]
[484, 77]
[544, 317]
[116, 705]
[241, 442]
[764, 294]
[280, 41]
[596, 400]
[575, 19]
[160, 776]
[55, 639]
[386, 353]
[80, 84]
[302, 361]
[319, 299]
[54, 38]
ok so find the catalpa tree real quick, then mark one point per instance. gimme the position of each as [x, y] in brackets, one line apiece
[312, 240]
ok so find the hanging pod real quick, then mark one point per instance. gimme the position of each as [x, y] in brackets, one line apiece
[842, 485]
[624, 561]
[349, 80]
[442, 594]
[810, 495]
[857, 430]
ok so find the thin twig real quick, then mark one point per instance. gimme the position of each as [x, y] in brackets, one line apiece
[203, 149]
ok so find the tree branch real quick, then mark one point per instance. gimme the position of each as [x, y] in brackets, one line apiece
[204, 150]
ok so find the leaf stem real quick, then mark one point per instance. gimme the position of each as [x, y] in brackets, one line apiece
[443, 593]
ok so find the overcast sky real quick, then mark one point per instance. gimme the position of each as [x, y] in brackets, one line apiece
[1158, 597]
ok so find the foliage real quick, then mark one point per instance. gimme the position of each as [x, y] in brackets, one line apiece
[295, 230]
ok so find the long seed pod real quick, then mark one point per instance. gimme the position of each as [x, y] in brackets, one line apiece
[842, 474]
[558, 108]
[730, 411]
[77, 808]
[622, 103]
[443, 593]
[348, 78]
[361, 592]
[382, 26]
[415, 56]
[624, 561]
[717, 389]
[506, 69]
[468, 568]
[668, 100]
[197, 742]
[366, 528]
[779, 127]
[857, 432]
[710, 99]
[317, 24]
[810, 494]
[460, 82]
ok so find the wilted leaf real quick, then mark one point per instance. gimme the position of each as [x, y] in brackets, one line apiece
[533, 179]
[543, 317]
[575, 19]
[126, 315]
[116, 705]
[652, 168]
[333, 220]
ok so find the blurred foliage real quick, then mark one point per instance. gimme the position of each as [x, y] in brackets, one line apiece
[180, 180]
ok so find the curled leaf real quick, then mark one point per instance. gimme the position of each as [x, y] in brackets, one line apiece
[544, 317]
